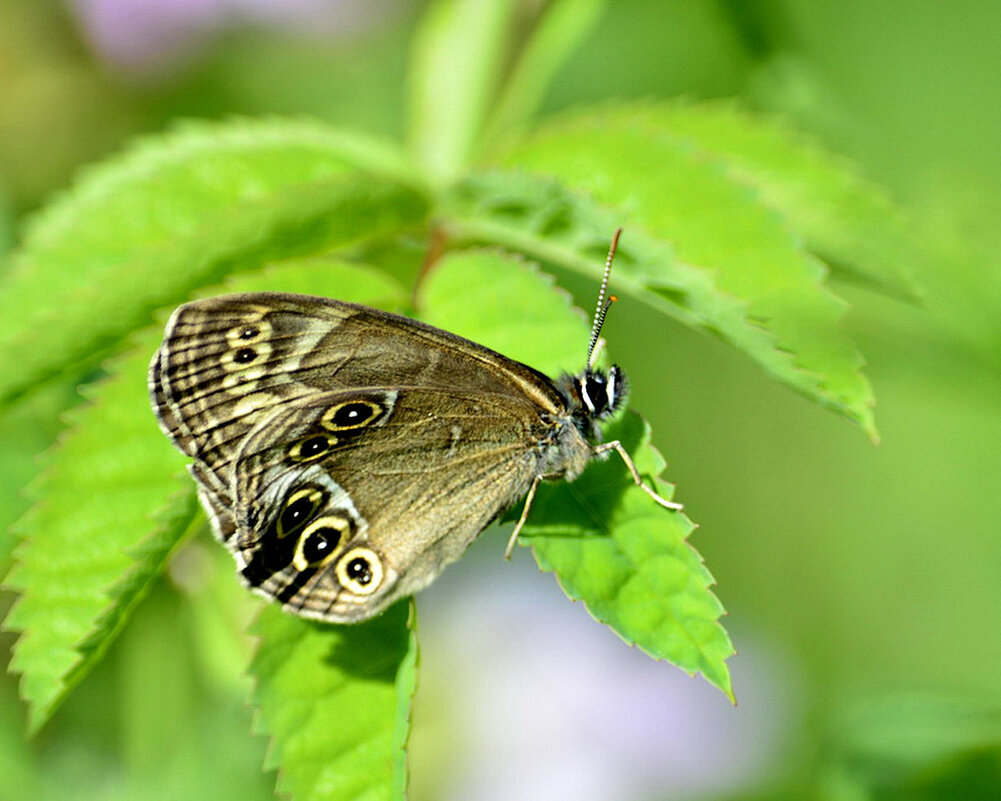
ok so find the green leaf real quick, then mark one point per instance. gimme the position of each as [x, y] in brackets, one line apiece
[90, 547]
[901, 730]
[325, 276]
[629, 561]
[671, 193]
[336, 702]
[174, 213]
[564, 25]
[25, 431]
[21, 774]
[500, 301]
[456, 67]
[905, 745]
[848, 222]
[6, 230]
[542, 217]
[608, 542]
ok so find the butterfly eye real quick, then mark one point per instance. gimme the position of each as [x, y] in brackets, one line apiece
[299, 508]
[353, 414]
[318, 542]
[360, 571]
[311, 448]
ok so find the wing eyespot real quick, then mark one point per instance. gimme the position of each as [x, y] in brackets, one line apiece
[248, 333]
[244, 355]
[352, 414]
[240, 357]
[299, 509]
[360, 571]
[319, 541]
[312, 448]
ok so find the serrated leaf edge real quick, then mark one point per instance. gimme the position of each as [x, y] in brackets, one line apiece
[159, 518]
[710, 581]
[814, 385]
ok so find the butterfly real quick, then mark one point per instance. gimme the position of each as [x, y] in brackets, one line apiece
[346, 455]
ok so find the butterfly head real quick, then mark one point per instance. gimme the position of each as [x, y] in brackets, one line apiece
[595, 395]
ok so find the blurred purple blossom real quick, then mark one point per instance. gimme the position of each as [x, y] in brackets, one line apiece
[540, 701]
[147, 35]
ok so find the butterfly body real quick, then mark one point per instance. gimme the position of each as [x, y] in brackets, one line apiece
[345, 455]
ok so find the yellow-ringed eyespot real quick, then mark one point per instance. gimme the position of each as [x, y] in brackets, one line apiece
[244, 356]
[247, 333]
[351, 414]
[360, 571]
[299, 509]
[319, 540]
[310, 448]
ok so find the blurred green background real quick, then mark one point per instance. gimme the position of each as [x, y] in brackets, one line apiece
[863, 583]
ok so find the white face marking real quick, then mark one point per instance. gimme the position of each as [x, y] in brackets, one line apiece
[585, 397]
[610, 388]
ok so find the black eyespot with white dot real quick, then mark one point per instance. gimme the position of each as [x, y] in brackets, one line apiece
[249, 332]
[320, 540]
[360, 571]
[353, 414]
[299, 510]
[310, 448]
[319, 543]
[281, 541]
[245, 356]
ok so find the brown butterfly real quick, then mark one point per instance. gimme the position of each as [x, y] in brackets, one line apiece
[345, 455]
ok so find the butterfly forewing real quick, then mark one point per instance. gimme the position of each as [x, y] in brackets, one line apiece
[226, 361]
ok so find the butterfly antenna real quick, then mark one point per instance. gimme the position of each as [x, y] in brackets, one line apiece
[601, 309]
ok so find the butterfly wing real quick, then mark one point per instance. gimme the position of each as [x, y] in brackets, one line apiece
[407, 491]
[227, 362]
[344, 454]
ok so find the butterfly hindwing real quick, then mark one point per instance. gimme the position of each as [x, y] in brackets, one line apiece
[412, 474]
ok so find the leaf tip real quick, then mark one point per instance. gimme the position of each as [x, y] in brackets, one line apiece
[871, 431]
[724, 681]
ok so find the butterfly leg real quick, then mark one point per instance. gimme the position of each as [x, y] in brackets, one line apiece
[617, 446]
[521, 520]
